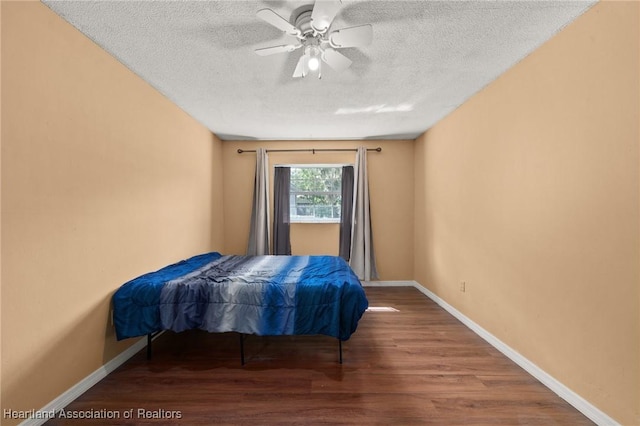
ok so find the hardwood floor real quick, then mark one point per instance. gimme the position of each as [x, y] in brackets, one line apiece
[418, 366]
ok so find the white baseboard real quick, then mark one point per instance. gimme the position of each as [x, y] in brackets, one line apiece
[85, 384]
[579, 403]
[388, 283]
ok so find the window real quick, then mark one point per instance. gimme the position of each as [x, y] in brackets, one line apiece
[315, 193]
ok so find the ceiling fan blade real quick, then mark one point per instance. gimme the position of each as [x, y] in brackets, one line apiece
[336, 60]
[277, 21]
[301, 67]
[323, 13]
[277, 49]
[352, 37]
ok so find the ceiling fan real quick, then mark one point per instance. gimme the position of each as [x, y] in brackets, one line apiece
[310, 26]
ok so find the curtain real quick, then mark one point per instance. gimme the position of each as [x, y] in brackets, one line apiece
[362, 259]
[346, 212]
[259, 227]
[281, 228]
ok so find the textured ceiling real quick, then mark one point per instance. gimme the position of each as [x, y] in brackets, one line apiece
[426, 58]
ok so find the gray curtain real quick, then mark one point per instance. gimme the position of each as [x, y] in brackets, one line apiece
[259, 240]
[346, 212]
[281, 215]
[362, 258]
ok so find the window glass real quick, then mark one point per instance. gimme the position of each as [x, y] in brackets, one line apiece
[315, 194]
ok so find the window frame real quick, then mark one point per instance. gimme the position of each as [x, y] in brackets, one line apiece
[309, 219]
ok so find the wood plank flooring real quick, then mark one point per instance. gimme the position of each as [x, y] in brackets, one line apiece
[418, 366]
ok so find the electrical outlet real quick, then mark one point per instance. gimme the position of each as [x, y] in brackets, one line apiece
[463, 286]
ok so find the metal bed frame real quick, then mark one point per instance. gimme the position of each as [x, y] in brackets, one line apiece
[150, 337]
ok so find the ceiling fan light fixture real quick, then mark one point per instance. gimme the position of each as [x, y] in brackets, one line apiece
[313, 62]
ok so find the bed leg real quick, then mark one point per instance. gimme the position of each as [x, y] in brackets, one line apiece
[149, 336]
[340, 348]
[242, 349]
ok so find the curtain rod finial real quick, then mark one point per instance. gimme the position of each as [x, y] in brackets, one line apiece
[240, 151]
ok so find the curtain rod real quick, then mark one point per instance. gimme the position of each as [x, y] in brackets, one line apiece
[378, 149]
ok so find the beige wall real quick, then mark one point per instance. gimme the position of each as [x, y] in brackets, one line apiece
[103, 179]
[529, 192]
[0, 211]
[391, 187]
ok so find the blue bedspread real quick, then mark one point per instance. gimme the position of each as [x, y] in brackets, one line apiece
[264, 295]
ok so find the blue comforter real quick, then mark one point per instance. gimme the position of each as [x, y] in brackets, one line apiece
[264, 295]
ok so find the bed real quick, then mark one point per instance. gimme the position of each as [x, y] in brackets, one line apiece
[261, 295]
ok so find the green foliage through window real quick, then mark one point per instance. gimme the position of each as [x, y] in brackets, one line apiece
[315, 194]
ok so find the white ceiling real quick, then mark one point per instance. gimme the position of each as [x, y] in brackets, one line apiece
[426, 58]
